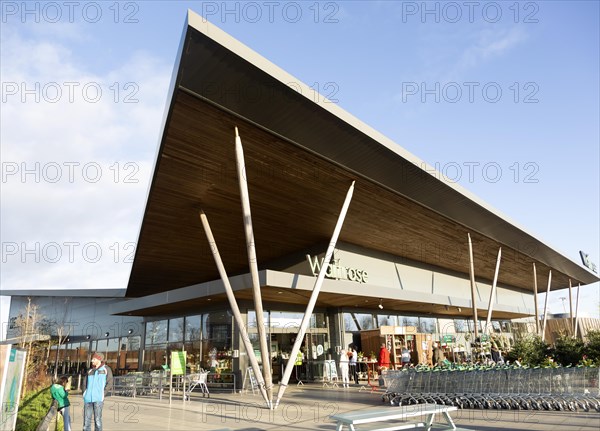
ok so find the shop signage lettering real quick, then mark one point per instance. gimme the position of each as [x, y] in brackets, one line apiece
[336, 271]
[585, 258]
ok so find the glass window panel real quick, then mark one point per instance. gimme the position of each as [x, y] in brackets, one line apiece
[83, 356]
[472, 326]
[350, 322]
[365, 321]
[252, 319]
[129, 353]
[176, 330]
[192, 328]
[460, 325]
[386, 320]
[156, 332]
[410, 321]
[256, 346]
[194, 354]
[71, 356]
[281, 321]
[316, 347]
[427, 325]
[217, 330]
[496, 326]
[155, 356]
[318, 320]
[110, 349]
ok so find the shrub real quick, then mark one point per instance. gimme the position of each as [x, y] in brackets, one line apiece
[531, 350]
[32, 410]
[568, 350]
[592, 347]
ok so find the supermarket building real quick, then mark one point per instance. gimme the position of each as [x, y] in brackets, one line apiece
[402, 260]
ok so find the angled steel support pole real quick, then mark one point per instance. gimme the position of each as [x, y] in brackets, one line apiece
[572, 323]
[492, 293]
[535, 301]
[577, 310]
[472, 276]
[546, 306]
[252, 262]
[313, 297]
[234, 308]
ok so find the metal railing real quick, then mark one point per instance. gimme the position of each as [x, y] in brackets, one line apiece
[159, 383]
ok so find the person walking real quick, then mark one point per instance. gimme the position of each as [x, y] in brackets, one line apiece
[353, 363]
[438, 355]
[384, 358]
[344, 367]
[405, 358]
[59, 392]
[96, 385]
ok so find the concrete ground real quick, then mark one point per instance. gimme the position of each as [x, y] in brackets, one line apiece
[302, 408]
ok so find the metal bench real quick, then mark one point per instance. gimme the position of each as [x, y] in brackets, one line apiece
[389, 414]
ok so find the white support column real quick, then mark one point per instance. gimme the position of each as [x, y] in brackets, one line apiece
[472, 274]
[492, 293]
[252, 262]
[572, 324]
[234, 308]
[313, 297]
[535, 301]
[577, 309]
[546, 305]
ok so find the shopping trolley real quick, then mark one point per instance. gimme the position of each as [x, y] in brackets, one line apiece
[197, 380]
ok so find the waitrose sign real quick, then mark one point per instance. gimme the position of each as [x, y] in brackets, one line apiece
[337, 271]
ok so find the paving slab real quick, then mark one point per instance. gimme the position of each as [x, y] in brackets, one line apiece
[306, 407]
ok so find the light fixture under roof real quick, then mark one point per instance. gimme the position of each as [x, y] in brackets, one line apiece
[380, 304]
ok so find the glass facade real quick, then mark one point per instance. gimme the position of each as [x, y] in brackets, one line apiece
[206, 339]
[282, 331]
[453, 335]
[155, 348]
[211, 341]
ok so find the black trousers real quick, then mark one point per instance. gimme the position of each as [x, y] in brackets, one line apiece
[353, 373]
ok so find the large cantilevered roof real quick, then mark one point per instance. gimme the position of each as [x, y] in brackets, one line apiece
[301, 156]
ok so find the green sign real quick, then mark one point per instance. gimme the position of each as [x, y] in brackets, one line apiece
[484, 337]
[178, 363]
[448, 339]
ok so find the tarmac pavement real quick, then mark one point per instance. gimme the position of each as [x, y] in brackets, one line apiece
[305, 407]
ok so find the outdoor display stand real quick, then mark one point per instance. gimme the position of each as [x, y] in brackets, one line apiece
[178, 362]
[330, 374]
[251, 379]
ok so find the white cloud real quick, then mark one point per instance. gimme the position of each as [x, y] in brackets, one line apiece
[490, 43]
[75, 164]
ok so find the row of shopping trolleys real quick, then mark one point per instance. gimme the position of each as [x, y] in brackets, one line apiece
[562, 388]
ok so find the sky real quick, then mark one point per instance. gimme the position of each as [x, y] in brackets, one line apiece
[501, 97]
